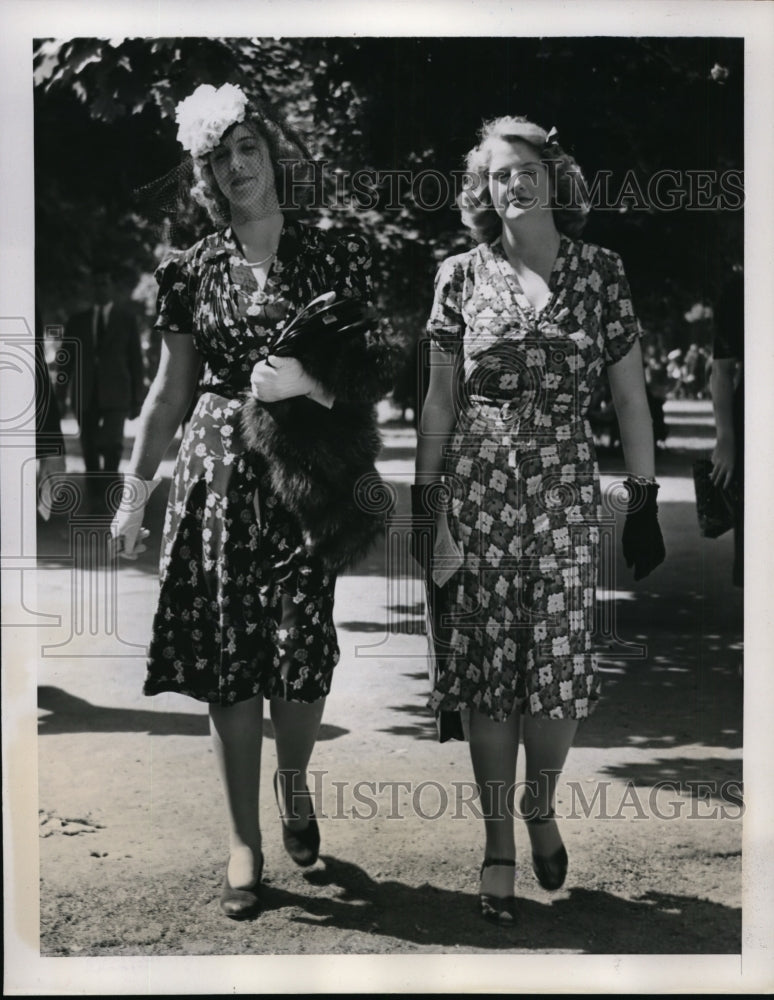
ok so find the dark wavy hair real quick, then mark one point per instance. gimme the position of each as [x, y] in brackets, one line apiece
[295, 175]
[569, 192]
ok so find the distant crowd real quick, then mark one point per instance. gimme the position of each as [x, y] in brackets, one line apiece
[669, 374]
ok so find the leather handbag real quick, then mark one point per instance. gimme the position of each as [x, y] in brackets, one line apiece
[450, 724]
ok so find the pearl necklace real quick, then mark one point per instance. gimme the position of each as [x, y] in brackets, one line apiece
[257, 263]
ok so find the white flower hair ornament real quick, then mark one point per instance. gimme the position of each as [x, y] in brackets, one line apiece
[204, 116]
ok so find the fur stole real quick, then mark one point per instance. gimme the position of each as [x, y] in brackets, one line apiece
[322, 461]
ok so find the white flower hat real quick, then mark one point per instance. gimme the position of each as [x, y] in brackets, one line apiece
[207, 113]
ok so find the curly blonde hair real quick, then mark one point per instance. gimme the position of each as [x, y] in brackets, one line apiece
[294, 171]
[569, 192]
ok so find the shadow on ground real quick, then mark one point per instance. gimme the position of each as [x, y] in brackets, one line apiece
[69, 714]
[394, 917]
[429, 915]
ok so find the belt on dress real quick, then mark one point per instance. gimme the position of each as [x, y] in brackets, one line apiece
[518, 425]
[509, 412]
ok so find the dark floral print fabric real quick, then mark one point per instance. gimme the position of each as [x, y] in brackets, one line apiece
[526, 500]
[244, 607]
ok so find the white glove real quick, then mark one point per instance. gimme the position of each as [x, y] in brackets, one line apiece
[281, 378]
[126, 530]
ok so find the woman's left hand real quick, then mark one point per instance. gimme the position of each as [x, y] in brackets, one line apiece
[643, 544]
[280, 378]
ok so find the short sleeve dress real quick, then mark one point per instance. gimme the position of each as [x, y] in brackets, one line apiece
[244, 608]
[526, 500]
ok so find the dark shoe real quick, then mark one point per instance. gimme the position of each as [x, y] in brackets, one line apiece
[241, 903]
[302, 845]
[497, 909]
[550, 871]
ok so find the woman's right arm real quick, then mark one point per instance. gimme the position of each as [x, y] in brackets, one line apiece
[437, 418]
[166, 403]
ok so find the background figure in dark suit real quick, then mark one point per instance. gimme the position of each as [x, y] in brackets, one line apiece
[49, 442]
[105, 377]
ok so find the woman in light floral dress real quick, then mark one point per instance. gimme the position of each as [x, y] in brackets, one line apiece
[245, 608]
[530, 318]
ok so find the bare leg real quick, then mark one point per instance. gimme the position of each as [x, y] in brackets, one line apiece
[546, 745]
[296, 725]
[493, 750]
[236, 732]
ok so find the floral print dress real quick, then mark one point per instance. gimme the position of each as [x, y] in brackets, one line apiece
[244, 607]
[525, 494]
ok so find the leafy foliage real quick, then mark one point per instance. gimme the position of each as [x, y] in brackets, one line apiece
[104, 126]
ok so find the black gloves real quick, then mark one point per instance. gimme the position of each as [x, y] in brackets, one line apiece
[643, 546]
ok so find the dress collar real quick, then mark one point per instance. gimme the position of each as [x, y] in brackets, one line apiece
[223, 243]
[556, 279]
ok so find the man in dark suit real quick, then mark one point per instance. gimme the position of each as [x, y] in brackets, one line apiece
[104, 374]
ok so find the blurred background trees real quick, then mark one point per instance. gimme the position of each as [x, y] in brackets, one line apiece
[625, 107]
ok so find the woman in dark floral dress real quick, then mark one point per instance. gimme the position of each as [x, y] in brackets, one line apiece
[521, 329]
[245, 609]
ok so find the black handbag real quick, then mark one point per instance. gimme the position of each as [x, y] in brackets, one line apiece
[449, 723]
[715, 505]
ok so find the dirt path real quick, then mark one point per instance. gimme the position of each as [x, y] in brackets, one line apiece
[132, 845]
